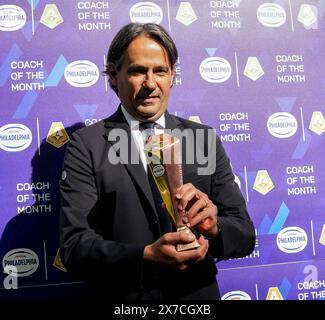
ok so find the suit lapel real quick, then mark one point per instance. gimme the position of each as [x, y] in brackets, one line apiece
[136, 170]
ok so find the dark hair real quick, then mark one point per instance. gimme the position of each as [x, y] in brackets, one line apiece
[131, 31]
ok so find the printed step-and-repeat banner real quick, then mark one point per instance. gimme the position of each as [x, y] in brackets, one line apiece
[251, 69]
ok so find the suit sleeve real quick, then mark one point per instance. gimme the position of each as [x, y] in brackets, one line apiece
[237, 236]
[82, 249]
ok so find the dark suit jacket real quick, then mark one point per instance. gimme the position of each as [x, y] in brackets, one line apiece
[108, 216]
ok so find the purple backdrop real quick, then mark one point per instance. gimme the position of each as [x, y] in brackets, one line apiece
[251, 69]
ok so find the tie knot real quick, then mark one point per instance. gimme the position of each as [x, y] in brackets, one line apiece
[147, 129]
[147, 125]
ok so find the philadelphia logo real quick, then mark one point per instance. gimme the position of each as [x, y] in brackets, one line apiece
[271, 15]
[236, 295]
[25, 260]
[292, 240]
[282, 125]
[15, 137]
[12, 18]
[146, 12]
[215, 70]
[81, 73]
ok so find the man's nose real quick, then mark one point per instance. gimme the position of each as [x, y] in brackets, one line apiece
[150, 82]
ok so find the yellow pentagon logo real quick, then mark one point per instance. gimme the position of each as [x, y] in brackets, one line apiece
[58, 262]
[274, 294]
[263, 183]
[322, 236]
[186, 14]
[57, 136]
[51, 16]
[317, 123]
[253, 69]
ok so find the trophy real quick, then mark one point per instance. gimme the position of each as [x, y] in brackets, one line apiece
[164, 157]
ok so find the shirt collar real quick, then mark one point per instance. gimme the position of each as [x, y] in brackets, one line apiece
[133, 122]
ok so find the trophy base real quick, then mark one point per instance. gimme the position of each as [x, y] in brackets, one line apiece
[187, 246]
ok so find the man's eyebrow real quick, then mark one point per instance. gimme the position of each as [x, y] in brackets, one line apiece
[161, 68]
[140, 68]
[137, 67]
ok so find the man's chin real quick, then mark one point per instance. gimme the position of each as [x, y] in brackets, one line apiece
[148, 113]
[149, 117]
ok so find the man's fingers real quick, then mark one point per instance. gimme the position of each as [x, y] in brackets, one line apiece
[198, 206]
[186, 198]
[183, 189]
[201, 217]
[202, 250]
[180, 260]
[178, 237]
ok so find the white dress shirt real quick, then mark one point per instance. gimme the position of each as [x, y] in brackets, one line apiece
[137, 134]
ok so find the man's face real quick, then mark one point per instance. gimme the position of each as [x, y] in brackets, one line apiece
[144, 80]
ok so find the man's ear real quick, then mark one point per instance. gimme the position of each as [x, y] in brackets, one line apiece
[112, 72]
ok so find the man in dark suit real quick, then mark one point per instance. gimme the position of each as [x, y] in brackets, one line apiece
[112, 230]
